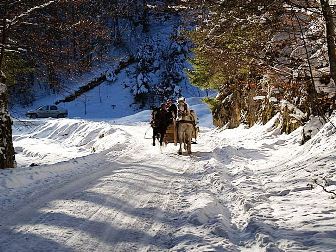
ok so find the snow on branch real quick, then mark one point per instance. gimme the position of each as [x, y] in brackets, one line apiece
[20, 50]
[9, 47]
[15, 2]
[16, 19]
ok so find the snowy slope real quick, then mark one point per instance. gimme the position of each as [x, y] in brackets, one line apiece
[114, 99]
[110, 100]
[241, 189]
[266, 185]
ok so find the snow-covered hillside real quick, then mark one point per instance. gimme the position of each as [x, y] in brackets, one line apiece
[102, 186]
[155, 73]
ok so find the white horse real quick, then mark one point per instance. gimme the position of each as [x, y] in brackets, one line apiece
[185, 129]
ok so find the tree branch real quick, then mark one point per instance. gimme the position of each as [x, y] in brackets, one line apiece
[16, 19]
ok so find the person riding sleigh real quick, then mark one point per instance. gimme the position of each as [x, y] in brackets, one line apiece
[171, 109]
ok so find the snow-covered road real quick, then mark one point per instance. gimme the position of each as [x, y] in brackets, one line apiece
[120, 206]
[125, 198]
[240, 190]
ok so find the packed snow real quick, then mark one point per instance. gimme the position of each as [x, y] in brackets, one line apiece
[85, 185]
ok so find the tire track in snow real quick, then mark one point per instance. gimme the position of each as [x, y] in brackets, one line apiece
[158, 230]
[87, 226]
[152, 219]
[30, 214]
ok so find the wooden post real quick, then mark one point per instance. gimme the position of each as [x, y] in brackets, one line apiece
[175, 132]
[85, 104]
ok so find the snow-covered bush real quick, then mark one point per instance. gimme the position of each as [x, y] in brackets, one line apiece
[159, 70]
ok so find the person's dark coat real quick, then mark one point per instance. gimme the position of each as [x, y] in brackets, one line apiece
[172, 110]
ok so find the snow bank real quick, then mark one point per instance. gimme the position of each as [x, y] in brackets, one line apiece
[205, 208]
[273, 186]
[53, 151]
[52, 141]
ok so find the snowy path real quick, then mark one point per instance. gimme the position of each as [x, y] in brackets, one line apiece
[241, 190]
[125, 202]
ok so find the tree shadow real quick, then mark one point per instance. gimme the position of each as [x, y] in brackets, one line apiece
[144, 176]
[12, 241]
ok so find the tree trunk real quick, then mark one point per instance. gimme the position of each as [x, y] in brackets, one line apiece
[235, 117]
[311, 89]
[330, 33]
[3, 36]
[117, 33]
[145, 22]
[7, 158]
[252, 108]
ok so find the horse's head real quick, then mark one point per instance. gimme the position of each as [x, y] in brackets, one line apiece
[181, 106]
[155, 118]
[155, 111]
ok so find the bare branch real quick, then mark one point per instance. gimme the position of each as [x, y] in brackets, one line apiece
[16, 19]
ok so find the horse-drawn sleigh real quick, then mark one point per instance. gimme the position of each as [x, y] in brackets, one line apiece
[170, 127]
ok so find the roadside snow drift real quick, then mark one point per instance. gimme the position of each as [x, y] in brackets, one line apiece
[53, 141]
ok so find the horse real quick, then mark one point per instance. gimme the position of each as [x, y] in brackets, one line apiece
[159, 123]
[185, 129]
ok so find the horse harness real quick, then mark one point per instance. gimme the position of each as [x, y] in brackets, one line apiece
[187, 121]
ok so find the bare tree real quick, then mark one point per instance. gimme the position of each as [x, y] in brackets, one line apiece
[9, 20]
[330, 33]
